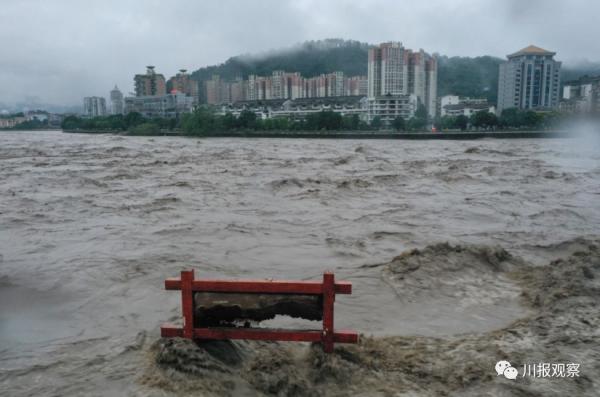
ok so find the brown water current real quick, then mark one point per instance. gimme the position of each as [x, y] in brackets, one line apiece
[91, 225]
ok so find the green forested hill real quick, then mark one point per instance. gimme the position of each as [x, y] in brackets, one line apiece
[464, 76]
[310, 59]
[473, 77]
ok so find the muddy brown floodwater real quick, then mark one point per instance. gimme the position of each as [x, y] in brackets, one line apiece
[462, 253]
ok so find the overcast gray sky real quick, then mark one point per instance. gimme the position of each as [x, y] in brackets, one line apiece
[62, 50]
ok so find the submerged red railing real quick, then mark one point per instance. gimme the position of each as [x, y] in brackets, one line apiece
[328, 288]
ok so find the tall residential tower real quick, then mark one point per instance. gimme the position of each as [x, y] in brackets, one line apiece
[529, 79]
[150, 84]
[94, 106]
[116, 101]
[398, 80]
[182, 82]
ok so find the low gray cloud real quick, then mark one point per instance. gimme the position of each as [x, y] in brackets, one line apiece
[62, 50]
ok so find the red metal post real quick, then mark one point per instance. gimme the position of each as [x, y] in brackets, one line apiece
[328, 301]
[260, 286]
[187, 303]
[327, 289]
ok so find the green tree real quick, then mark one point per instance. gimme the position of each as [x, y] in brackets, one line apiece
[399, 124]
[351, 122]
[461, 122]
[510, 118]
[247, 119]
[516, 118]
[329, 120]
[419, 121]
[447, 123]
[200, 122]
[531, 119]
[421, 112]
[229, 121]
[132, 119]
[70, 123]
[376, 123]
[484, 119]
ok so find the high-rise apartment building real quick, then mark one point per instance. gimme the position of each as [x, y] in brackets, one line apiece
[150, 84]
[356, 86]
[238, 89]
[422, 79]
[388, 70]
[529, 79]
[285, 85]
[257, 88]
[278, 86]
[116, 101]
[213, 90]
[582, 95]
[219, 91]
[94, 106]
[394, 75]
[336, 84]
[168, 105]
[183, 83]
[294, 86]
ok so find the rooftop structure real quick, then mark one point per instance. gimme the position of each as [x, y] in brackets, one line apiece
[150, 84]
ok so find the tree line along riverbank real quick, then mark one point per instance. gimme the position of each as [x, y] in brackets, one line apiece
[205, 122]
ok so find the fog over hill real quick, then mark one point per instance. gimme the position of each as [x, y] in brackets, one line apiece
[64, 50]
[465, 76]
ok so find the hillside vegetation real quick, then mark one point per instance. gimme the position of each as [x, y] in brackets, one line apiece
[464, 76]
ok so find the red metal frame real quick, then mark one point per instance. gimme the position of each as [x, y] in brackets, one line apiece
[328, 289]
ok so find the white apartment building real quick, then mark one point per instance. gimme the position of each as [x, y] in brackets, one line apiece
[394, 74]
[94, 106]
[453, 105]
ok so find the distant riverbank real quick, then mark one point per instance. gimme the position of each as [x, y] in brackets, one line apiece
[358, 134]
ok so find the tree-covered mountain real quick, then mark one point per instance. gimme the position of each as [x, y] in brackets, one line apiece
[472, 77]
[464, 76]
[573, 72]
[310, 59]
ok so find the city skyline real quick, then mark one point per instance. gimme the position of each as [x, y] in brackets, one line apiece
[57, 55]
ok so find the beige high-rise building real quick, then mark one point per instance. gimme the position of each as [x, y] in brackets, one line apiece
[529, 79]
[213, 90]
[357, 86]
[150, 84]
[258, 88]
[388, 70]
[284, 85]
[237, 90]
[183, 83]
[218, 91]
[396, 73]
[422, 79]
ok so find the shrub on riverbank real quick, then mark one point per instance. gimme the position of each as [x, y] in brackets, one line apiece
[115, 123]
[204, 121]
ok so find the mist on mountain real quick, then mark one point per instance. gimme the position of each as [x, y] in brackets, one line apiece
[457, 75]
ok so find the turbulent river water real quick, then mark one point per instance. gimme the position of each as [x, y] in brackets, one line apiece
[91, 225]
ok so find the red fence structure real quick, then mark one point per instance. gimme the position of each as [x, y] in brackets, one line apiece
[325, 291]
